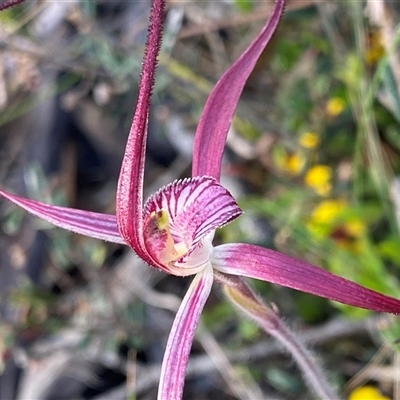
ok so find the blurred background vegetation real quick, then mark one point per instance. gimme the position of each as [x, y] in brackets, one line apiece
[313, 158]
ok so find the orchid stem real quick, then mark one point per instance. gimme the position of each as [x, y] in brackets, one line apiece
[306, 361]
[244, 298]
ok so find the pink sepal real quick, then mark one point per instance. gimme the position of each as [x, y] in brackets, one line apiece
[271, 266]
[180, 339]
[130, 183]
[218, 111]
[95, 225]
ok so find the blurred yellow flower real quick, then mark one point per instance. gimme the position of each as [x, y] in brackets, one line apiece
[292, 163]
[367, 393]
[335, 106]
[327, 220]
[355, 228]
[326, 211]
[309, 140]
[319, 178]
[375, 49]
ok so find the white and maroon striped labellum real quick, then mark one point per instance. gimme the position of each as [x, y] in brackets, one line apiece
[180, 221]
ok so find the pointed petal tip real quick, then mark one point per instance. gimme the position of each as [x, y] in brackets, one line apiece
[87, 223]
[221, 104]
[129, 196]
[274, 267]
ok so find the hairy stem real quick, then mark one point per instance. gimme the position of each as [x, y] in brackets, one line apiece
[240, 294]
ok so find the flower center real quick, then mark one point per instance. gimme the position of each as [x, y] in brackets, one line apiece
[180, 221]
[171, 250]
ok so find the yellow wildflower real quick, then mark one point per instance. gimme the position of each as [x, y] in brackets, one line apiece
[309, 140]
[322, 219]
[335, 106]
[327, 220]
[375, 50]
[355, 228]
[367, 393]
[292, 163]
[327, 211]
[319, 179]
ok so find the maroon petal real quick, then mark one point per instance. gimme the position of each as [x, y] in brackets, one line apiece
[271, 266]
[221, 104]
[130, 184]
[95, 225]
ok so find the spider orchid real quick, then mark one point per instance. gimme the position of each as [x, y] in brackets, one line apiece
[174, 229]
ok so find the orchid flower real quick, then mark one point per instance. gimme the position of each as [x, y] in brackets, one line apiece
[174, 229]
